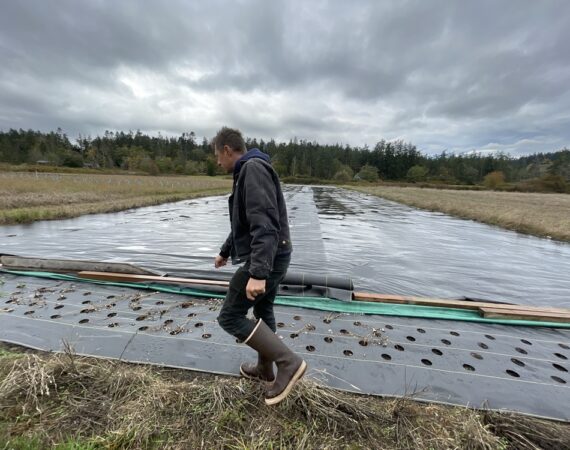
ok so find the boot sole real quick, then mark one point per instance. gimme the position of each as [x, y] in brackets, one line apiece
[251, 377]
[298, 375]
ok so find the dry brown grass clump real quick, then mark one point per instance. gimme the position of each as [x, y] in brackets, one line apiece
[26, 197]
[54, 399]
[532, 213]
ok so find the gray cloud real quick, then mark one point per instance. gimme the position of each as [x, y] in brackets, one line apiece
[444, 75]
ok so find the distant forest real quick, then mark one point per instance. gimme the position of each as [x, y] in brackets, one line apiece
[296, 159]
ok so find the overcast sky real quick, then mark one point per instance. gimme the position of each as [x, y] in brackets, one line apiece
[455, 75]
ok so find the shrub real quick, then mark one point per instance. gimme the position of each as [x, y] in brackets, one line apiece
[494, 179]
[417, 173]
[368, 173]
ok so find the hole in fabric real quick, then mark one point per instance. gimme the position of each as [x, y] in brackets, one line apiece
[139, 318]
[427, 362]
[113, 325]
[9, 301]
[168, 322]
[86, 302]
[469, 368]
[58, 306]
[491, 338]
[111, 305]
[113, 314]
[357, 324]
[110, 296]
[143, 328]
[564, 346]
[436, 351]
[483, 345]
[27, 313]
[176, 332]
[347, 353]
[521, 350]
[84, 321]
[389, 327]
[399, 347]
[446, 342]
[206, 335]
[476, 356]
[310, 327]
[55, 316]
[327, 320]
[343, 331]
[191, 314]
[160, 302]
[512, 373]
[454, 333]
[558, 379]
[87, 293]
[518, 362]
[293, 335]
[559, 367]
[199, 324]
[280, 324]
[137, 308]
[186, 305]
[560, 355]
[310, 348]
[421, 330]
[524, 341]
[297, 318]
[411, 338]
[87, 311]
[363, 342]
[386, 357]
[328, 339]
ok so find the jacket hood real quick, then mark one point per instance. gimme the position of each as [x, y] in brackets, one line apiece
[251, 154]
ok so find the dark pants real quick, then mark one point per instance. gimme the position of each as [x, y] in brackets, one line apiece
[233, 315]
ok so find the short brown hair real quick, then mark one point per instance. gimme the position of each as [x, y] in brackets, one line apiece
[231, 137]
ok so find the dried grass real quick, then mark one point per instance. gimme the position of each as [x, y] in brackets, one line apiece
[55, 399]
[532, 213]
[26, 197]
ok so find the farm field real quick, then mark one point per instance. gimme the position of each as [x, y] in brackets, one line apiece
[28, 197]
[546, 215]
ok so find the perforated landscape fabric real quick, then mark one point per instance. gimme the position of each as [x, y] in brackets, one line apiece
[523, 369]
[323, 304]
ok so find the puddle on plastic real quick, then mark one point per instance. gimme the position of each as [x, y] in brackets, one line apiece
[385, 246]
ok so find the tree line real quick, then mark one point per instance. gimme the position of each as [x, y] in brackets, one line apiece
[296, 159]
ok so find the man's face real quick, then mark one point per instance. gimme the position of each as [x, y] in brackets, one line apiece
[225, 158]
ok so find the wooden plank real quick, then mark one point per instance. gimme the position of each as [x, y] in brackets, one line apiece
[109, 276]
[462, 304]
[484, 308]
[494, 313]
[10, 262]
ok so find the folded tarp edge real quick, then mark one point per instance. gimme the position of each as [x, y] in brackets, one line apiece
[323, 304]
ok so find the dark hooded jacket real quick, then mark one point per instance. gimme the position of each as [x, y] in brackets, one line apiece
[258, 216]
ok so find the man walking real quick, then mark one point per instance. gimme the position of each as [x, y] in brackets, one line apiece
[259, 237]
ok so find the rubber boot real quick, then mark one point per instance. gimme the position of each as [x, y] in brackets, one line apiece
[290, 367]
[262, 371]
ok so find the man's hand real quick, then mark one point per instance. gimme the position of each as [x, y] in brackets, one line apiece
[254, 288]
[220, 261]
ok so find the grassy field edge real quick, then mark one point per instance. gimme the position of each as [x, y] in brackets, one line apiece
[66, 401]
[542, 215]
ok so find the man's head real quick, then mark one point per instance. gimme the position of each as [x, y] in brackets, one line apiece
[228, 146]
